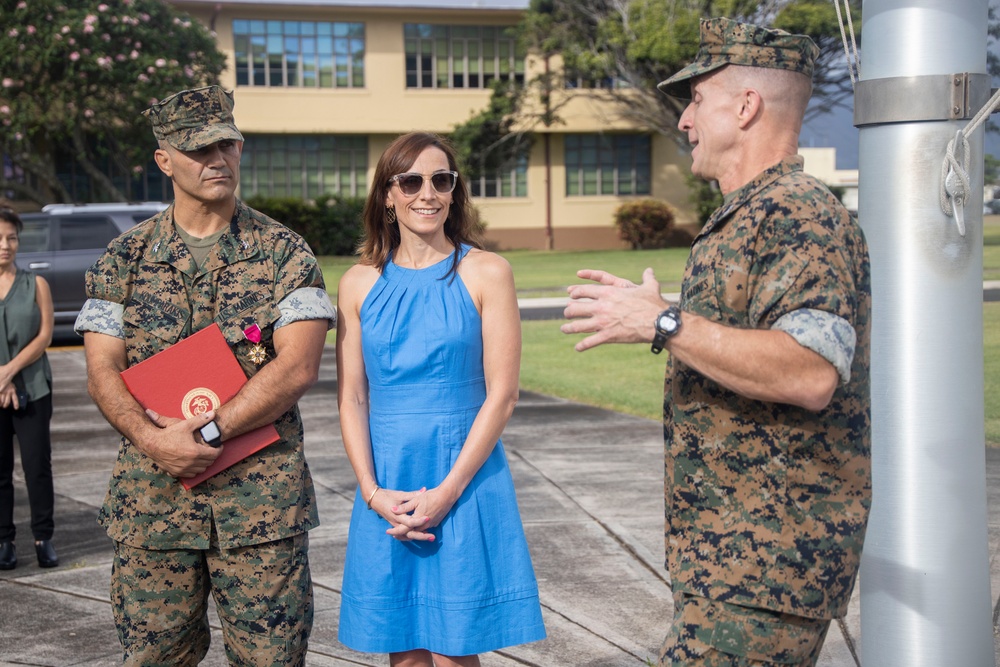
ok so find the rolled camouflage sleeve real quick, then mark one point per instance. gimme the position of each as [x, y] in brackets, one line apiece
[306, 303]
[104, 309]
[828, 335]
[100, 316]
[805, 279]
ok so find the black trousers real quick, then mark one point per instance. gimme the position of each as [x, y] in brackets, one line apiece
[31, 426]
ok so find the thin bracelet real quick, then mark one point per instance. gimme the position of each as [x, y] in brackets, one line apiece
[372, 496]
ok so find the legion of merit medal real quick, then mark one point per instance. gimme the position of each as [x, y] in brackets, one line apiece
[257, 354]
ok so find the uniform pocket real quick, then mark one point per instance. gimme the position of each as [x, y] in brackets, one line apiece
[699, 296]
[147, 315]
[253, 308]
[758, 634]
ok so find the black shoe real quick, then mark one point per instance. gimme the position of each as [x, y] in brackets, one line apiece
[8, 557]
[46, 554]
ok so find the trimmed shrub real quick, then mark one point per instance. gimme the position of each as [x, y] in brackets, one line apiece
[649, 223]
[331, 225]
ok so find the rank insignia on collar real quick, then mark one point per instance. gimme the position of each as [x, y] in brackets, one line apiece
[257, 353]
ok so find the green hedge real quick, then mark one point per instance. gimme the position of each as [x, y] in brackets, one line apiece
[331, 225]
[646, 224]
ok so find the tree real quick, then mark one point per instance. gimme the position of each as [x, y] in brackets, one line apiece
[991, 171]
[623, 48]
[484, 143]
[75, 78]
[619, 50]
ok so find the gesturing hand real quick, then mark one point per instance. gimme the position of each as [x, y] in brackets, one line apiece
[616, 310]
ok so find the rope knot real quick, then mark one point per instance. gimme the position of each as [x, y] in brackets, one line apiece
[955, 187]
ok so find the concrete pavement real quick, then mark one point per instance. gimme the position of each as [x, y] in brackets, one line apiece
[589, 485]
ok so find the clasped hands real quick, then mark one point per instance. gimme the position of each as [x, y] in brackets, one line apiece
[411, 514]
[177, 447]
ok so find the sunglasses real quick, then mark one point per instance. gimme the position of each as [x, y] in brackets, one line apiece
[412, 183]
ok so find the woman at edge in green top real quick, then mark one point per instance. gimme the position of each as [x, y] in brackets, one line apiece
[26, 317]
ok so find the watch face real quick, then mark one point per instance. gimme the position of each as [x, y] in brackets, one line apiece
[210, 431]
[668, 323]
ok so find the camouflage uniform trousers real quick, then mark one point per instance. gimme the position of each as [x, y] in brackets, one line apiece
[263, 594]
[709, 633]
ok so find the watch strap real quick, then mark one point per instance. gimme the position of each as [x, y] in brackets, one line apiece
[661, 335]
[214, 441]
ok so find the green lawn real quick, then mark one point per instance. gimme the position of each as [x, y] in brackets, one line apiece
[627, 378]
[991, 248]
[539, 273]
[542, 273]
[991, 368]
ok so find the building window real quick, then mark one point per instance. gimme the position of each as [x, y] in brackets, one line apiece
[511, 181]
[299, 54]
[442, 56]
[574, 81]
[304, 167]
[607, 164]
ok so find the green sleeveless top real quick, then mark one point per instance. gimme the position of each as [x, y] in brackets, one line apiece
[20, 319]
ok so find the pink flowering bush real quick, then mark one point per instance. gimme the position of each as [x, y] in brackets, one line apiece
[76, 76]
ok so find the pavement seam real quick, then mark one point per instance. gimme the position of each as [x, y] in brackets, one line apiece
[326, 587]
[57, 591]
[608, 640]
[848, 640]
[333, 656]
[347, 497]
[607, 529]
[996, 614]
[216, 627]
[517, 659]
[520, 661]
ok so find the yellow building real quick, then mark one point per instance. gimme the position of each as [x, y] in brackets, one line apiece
[322, 87]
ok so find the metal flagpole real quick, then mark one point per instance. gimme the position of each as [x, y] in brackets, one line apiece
[925, 587]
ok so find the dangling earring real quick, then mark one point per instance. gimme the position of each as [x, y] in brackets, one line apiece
[390, 215]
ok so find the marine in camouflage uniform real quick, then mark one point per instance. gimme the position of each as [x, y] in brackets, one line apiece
[241, 534]
[766, 499]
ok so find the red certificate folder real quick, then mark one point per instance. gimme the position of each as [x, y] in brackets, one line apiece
[193, 376]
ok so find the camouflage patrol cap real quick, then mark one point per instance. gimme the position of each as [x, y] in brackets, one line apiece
[727, 42]
[192, 119]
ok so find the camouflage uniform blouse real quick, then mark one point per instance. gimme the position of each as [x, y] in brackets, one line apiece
[147, 290]
[766, 503]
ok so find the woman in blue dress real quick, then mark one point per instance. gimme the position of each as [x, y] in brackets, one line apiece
[428, 358]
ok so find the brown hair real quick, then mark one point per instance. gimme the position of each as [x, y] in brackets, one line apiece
[380, 237]
[7, 214]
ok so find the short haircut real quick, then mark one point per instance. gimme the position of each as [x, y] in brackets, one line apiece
[779, 88]
[7, 214]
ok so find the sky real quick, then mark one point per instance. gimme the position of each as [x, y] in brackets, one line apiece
[837, 129]
[833, 129]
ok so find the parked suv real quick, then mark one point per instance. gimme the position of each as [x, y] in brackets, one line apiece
[64, 240]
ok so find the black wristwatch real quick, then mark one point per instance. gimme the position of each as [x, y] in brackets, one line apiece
[667, 324]
[211, 434]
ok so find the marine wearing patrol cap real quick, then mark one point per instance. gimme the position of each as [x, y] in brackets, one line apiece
[192, 119]
[727, 42]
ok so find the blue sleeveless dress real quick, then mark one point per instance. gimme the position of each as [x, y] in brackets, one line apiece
[473, 589]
